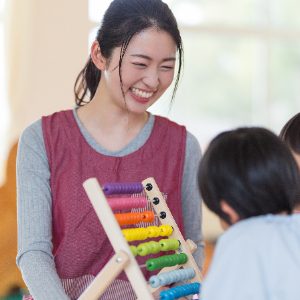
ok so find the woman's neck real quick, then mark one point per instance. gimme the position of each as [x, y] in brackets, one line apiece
[111, 126]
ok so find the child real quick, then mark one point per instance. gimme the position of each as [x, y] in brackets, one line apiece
[290, 133]
[112, 137]
[249, 178]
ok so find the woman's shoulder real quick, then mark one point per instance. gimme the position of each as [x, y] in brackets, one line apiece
[32, 133]
[31, 146]
[192, 143]
[191, 140]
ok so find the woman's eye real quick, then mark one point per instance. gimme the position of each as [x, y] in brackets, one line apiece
[139, 65]
[168, 67]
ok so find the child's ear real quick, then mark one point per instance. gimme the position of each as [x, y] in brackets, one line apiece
[228, 210]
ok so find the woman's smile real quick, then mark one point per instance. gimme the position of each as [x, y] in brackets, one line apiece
[140, 95]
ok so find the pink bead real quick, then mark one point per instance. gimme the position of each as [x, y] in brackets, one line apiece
[126, 203]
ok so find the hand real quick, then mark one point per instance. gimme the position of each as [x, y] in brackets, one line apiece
[157, 292]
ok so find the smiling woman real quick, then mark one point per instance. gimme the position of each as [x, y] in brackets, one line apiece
[144, 76]
[110, 135]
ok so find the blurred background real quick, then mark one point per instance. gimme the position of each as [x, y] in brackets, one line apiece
[242, 68]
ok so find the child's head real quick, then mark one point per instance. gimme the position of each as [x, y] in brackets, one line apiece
[290, 133]
[251, 171]
[121, 22]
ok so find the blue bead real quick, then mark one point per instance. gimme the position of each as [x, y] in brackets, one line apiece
[172, 293]
[191, 272]
[163, 279]
[164, 295]
[154, 281]
[198, 286]
[185, 274]
[176, 293]
[180, 290]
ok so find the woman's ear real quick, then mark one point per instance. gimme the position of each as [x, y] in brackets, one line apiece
[228, 210]
[96, 56]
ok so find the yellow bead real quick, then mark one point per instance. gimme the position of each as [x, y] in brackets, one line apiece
[165, 230]
[153, 231]
[126, 235]
[136, 234]
[145, 233]
[170, 229]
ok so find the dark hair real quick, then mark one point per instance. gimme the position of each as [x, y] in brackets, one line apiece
[290, 133]
[252, 170]
[122, 20]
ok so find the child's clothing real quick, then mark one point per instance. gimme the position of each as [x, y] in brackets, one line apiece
[72, 155]
[256, 259]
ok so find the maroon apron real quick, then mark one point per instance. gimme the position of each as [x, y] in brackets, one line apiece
[80, 245]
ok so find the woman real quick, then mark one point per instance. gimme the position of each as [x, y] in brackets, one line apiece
[112, 137]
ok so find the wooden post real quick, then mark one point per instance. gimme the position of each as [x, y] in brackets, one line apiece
[176, 234]
[111, 270]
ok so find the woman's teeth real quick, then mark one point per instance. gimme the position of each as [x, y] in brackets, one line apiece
[141, 94]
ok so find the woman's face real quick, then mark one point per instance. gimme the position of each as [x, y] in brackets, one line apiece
[147, 70]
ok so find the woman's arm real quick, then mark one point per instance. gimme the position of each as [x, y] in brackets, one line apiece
[34, 202]
[191, 200]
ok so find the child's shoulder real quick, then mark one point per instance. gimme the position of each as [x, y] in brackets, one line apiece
[262, 230]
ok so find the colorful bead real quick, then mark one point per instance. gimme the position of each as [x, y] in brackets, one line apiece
[165, 230]
[133, 250]
[126, 203]
[122, 188]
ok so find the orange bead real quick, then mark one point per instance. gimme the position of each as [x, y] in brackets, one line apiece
[148, 216]
[128, 219]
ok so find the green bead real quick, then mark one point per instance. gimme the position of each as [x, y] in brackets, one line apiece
[186, 257]
[133, 250]
[165, 245]
[151, 265]
[156, 247]
[170, 260]
[176, 259]
[183, 258]
[176, 245]
[150, 248]
[143, 249]
[161, 262]
[171, 244]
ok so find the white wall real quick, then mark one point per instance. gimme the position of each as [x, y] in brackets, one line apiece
[47, 42]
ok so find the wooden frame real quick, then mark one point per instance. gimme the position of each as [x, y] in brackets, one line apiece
[186, 247]
[124, 259]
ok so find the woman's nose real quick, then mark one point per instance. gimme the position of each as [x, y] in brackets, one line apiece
[151, 79]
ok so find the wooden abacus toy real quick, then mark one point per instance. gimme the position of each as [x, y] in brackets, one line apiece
[124, 258]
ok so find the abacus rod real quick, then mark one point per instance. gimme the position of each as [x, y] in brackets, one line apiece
[147, 200]
[105, 189]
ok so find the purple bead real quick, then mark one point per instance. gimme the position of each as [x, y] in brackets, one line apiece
[123, 188]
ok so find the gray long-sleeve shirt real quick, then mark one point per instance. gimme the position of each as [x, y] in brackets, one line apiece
[35, 258]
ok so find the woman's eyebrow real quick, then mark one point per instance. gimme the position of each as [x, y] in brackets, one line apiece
[150, 59]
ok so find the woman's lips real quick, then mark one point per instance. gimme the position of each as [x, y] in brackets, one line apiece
[140, 99]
